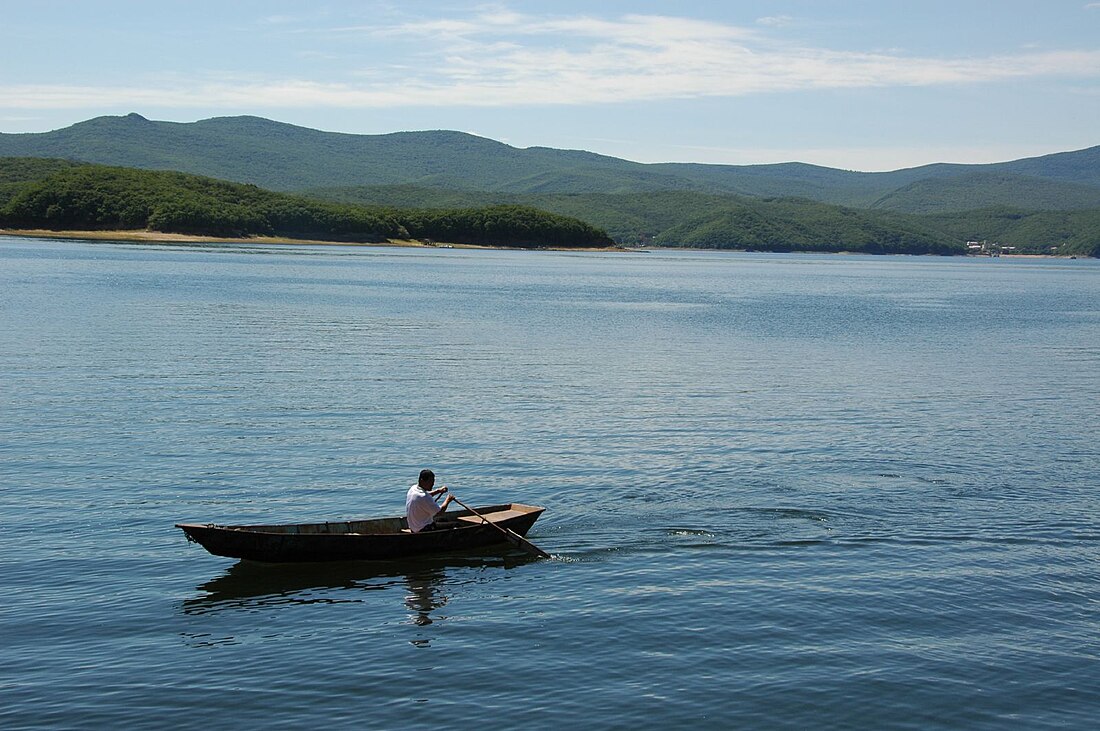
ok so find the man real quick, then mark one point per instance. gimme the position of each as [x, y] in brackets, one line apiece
[420, 505]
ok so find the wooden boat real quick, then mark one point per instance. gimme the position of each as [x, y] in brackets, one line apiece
[355, 540]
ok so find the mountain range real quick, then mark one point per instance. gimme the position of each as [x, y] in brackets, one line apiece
[438, 168]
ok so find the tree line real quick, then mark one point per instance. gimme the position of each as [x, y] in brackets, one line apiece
[703, 220]
[106, 198]
[57, 194]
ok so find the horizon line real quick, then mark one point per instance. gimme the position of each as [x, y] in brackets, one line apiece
[664, 161]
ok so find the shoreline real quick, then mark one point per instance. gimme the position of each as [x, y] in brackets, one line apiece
[157, 237]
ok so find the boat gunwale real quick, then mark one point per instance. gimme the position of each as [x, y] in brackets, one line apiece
[256, 529]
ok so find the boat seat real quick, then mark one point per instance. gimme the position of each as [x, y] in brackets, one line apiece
[495, 517]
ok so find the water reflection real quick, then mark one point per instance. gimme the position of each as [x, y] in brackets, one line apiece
[425, 594]
[424, 583]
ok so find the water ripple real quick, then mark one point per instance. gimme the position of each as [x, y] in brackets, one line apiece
[783, 491]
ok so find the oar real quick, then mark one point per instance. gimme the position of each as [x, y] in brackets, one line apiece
[512, 536]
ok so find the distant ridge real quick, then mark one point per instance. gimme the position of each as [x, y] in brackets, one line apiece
[1040, 204]
[286, 157]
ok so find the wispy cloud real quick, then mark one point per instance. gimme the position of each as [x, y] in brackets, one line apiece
[500, 58]
[776, 21]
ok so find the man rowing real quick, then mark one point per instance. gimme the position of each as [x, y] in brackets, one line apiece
[420, 505]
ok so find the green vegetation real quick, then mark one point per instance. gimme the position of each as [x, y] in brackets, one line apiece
[1030, 232]
[30, 169]
[685, 218]
[975, 191]
[361, 185]
[284, 157]
[16, 172]
[799, 225]
[502, 225]
[101, 197]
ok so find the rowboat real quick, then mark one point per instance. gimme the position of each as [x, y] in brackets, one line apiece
[357, 540]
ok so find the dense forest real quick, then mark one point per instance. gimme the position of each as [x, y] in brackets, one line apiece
[688, 218]
[1064, 233]
[698, 220]
[352, 187]
[288, 158]
[58, 195]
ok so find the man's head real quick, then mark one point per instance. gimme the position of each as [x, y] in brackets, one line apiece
[427, 479]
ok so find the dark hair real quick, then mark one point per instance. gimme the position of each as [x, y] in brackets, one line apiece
[426, 476]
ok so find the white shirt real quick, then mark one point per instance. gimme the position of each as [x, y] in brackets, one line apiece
[420, 508]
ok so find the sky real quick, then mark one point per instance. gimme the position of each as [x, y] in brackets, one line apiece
[860, 85]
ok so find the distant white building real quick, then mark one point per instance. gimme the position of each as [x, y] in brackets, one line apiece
[988, 249]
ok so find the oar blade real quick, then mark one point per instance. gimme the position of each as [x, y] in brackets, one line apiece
[526, 545]
[511, 535]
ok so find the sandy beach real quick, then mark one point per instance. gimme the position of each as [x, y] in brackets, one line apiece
[153, 237]
[160, 237]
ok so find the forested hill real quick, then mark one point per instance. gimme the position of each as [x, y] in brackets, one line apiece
[57, 195]
[688, 218]
[285, 157]
[102, 197]
[1042, 204]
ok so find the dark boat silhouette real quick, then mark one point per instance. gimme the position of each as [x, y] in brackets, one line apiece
[356, 540]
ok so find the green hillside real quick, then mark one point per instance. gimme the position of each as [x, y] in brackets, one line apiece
[789, 224]
[973, 191]
[15, 172]
[688, 218]
[1050, 183]
[790, 205]
[102, 197]
[27, 169]
[1081, 166]
[284, 157]
[1040, 232]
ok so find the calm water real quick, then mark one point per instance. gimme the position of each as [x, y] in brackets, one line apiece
[783, 491]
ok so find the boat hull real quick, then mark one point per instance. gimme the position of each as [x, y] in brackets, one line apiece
[363, 540]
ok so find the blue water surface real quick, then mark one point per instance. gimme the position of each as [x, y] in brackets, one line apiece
[782, 491]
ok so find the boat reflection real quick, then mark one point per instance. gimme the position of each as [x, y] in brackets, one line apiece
[425, 595]
[249, 586]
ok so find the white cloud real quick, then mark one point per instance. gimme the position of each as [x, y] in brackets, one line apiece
[777, 21]
[501, 58]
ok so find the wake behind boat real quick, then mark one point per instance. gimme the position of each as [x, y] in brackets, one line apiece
[373, 539]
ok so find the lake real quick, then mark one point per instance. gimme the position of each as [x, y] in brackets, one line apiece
[782, 491]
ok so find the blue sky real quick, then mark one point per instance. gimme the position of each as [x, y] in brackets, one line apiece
[867, 85]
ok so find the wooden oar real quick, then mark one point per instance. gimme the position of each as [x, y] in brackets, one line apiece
[512, 536]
